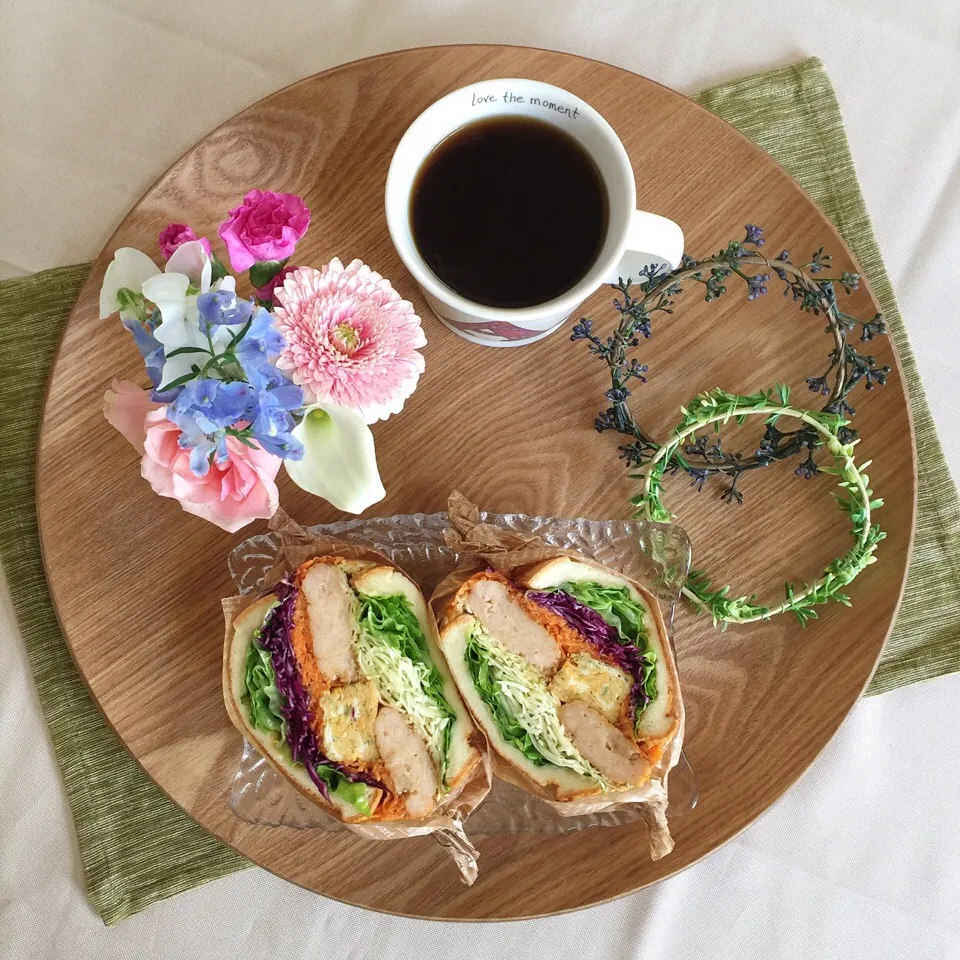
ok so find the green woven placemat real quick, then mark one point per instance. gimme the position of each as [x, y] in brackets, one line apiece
[136, 846]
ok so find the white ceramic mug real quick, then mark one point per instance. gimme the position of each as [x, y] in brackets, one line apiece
[634, 239]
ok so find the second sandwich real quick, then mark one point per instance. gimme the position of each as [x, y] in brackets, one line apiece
[567, 668]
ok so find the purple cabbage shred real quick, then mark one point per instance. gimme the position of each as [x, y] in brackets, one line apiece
[604, 638]
[275, 638]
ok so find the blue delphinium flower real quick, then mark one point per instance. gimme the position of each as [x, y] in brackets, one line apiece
[204, 410]
[208, 410]
[273, 425]
[256, 409]
[151, 349]
[259, 346]
[198, 407]
[233, 401]
[219, 308]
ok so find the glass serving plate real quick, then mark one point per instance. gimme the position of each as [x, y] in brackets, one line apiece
[656, 554]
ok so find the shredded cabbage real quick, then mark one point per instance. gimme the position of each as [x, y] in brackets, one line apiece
[392, 651]
[519, 701]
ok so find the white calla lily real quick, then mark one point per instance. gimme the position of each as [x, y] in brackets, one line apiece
[128, 270]
[339, 461]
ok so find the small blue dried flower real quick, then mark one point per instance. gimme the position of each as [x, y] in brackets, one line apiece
[808, 469]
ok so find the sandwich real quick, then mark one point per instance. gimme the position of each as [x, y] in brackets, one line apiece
[567, 669]
[335, 677]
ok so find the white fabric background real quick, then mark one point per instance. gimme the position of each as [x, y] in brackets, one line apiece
[862, 858]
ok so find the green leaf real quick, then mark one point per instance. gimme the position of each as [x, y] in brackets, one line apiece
[180, 351]
[237, 337]
[357, 794]
[261, 696]
[217, 270]
[263, 271]
[179, 382]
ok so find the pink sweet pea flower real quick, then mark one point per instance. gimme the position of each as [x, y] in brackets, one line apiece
[125, 405]
[266, 226]
[174, 234]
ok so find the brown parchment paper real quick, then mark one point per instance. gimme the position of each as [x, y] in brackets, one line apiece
[486, 546]
[446, 823]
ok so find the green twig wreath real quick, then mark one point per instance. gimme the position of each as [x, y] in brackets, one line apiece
[717, 407]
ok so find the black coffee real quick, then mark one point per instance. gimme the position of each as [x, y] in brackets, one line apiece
[509, 212]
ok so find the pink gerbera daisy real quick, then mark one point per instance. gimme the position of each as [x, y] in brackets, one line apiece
[351, 340]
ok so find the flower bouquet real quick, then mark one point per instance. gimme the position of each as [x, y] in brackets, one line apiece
[292, 375]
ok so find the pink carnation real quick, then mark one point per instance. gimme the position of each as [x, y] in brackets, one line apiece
[351, 340]
[266, 226]
[175, 234]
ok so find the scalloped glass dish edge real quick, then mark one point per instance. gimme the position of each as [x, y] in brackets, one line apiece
[656, 554]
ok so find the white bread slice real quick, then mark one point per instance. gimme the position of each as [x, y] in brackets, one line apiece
[548, 781]
[661, 718]
[234, 675]
[383, 581]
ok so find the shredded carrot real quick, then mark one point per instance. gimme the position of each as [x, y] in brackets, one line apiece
[392, 805]
[652, 750]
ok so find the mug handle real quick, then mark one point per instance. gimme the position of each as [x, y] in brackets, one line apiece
[650, 239]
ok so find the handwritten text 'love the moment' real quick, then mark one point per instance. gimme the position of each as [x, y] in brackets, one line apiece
[510, 97]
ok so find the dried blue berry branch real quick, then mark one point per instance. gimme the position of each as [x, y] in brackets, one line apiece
[656, 291]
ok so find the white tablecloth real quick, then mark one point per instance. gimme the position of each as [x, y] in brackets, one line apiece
[862, 858]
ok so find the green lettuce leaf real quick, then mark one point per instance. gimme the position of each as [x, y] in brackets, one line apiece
[357, 794]
[649, 680]
[260, 696]
[615, 605]
[392, 620]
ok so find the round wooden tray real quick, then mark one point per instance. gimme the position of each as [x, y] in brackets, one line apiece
[137, 583]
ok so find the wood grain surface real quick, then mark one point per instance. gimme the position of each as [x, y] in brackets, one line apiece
[137, 583]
